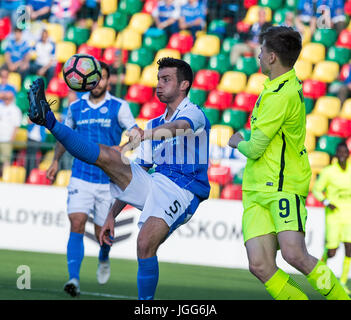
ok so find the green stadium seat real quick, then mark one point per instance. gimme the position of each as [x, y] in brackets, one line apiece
[212, 115]
[309, 105]
[77, 35]
[197, 96]
[273, 4]
[117, 20]
[218, 27]
[234, 118]
[130, 6]
[238, 177]
[196, 61]
[334, 87]
[279, 16]
[134, 108]
[155, 39]
[338, 54]
[247, 65]
[142, 57]
[327, 37]
[328, 144]
[28, 80]
[228, 43]
[291, 4]
[220, 63]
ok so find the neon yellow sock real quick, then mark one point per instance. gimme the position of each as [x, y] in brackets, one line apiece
[345, 270]
[323, 280]
[282, 287]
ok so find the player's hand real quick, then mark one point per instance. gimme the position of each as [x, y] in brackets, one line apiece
[235, 139]
[107, 232]
[136, 135]
[51, 172]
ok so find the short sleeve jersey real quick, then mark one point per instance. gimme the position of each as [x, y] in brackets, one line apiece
[280, 114]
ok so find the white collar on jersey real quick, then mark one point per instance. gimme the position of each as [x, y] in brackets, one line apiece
[96, 106]
[181, 106]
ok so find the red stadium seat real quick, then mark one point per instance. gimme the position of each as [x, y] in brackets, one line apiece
[149, 6]
[242, 27]
[38, 176]
[314, 89]
[219, 174]
[340, 127]
[311, 201]
[344, 72]
[206, 79]
[248, 122]
[219, 99]
[347, 8]
[348, 142]
[5, 27]
[344, 39]
[139, 93]
[245, 101]
[181, 42]
[58, 87]
[109, 55]
[232, 192]
[151, 110]
[94, 51]
[250, 3]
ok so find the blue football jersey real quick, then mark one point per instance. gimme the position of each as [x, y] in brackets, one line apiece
[102, 123]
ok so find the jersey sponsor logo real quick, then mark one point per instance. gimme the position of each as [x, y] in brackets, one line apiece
[106, 123]
[72, 192]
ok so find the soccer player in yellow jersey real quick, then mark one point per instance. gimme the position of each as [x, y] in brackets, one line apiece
[277, 176]
[333, 188]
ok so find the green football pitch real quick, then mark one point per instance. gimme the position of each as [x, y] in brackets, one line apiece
[48, 273]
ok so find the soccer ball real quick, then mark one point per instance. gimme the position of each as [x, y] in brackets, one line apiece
[82, 72]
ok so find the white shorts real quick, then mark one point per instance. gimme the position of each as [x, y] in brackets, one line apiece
[89, 198]
[157, 196]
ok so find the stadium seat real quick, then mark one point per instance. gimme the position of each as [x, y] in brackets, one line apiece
[62, 178]
[243, 27]
[238, 176]
[44, 165]
[28, 80]
[215, 190]
[232, 192]
[328, 144]
[151, 110]
[250, 3]
[334, 88]
[149, 6]
[206, 79]
[234, 118]
[130, 6]
[325, 36]
[327, 106]
[155, 39]
[344, 39]
[245, 101]
[272, 4]
[219, 174]
[102, 37]
[309, 105]
[212, 115]
[220, 134]
[139, 93]
[346, 110]
[181, 42]
[251, 16]
[325, 71]
[140, 22]
[38, 176]
[311, 201]
[128, 39]
[306, 35]
[117, 20]
[279, 16]
[338, 54]
[219, 63]
[56, 31]
[255, 83]
[318, 160]
[22, 101]
[198, 96]
[314, 89]
[108, 6]
[228, 43]
[317, 124]
[247, 65]
[340, 127]
[149, 76]
[162, 53]
[5, 27]
[303, 69]
[313, 52]
[310, 141]
[77, 35]
[142, 57]
[207, 45]
[219, 99]
[58, 87]
[15, 80]
[134, 108]
[13, 174]
[50, 97]
[132, 75]
[109, 55]
[233, 82]
[196, 61]
[20, 138]
[64, 50]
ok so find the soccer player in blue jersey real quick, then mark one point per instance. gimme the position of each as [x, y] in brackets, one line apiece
[176, 142]
[100, 118]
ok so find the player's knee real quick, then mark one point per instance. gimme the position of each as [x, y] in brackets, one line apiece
[293, 256]
[258, 269]
[144, 248]
[77, 226]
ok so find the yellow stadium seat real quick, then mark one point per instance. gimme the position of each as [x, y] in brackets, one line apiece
[215, 191]
[56, 31]
[2, 59]
[303, 69]
[310, 141]
[102, 37]
[49, 156]
[232, 82]
[306, 35]
[53, 97]
[15, 80]
[162, 53]
[108, 6]
[317, 124]
[62, 178]
[318, 160]
[141, 123]
[44, 165]
[64, 50]
[128, 39]
[149, 76]
[133, 72]
[251, 16]
[255, 83]
[13, 174]
[220, 134]
[327, 106]
[140, 22]
[346, 109]
[206, 45]
[326, 71]
[313, 52]
[20, 138]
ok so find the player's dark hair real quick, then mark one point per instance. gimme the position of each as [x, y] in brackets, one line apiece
[285, 42]
[342, 144]
[184, 71]
[106, 67]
